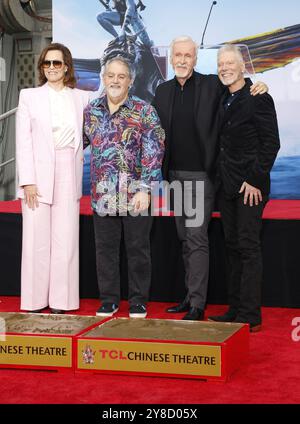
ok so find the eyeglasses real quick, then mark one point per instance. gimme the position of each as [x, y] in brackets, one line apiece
[57, 64]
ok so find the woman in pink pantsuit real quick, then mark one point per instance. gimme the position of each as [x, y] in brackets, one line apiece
[50, 166]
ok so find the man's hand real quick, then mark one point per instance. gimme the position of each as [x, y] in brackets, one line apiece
[140, 201]
[31, 196]
[251, 193]
[258, 88]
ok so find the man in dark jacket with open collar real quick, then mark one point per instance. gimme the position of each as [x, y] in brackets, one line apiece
[188, 110]
[249, 142]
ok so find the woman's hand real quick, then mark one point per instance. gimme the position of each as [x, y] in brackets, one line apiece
[31, 196]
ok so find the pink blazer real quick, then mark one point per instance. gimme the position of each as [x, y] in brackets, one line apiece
[34, 141]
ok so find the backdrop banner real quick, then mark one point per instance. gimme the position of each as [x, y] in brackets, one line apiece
[97, 30]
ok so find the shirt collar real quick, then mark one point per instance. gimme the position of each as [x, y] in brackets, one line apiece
[62, 91]
[102, 102]
[236, 93]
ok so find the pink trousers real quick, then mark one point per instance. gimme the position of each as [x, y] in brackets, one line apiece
[50, 249]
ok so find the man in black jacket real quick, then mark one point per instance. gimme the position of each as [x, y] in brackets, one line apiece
[249, 142]
[188, 109]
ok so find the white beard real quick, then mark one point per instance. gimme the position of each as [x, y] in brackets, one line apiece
[181, 72]
[114, 91]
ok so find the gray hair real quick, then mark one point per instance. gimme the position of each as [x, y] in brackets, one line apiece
[124, 61]
[231, 48]
[183, 39]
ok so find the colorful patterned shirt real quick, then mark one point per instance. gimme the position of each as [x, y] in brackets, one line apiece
[127, 150]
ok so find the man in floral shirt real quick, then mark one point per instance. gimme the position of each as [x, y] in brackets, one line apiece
[127, 148]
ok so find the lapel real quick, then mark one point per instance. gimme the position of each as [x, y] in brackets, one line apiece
[222, 111]
[198, 80]
[76, 103]
[43, 104]
[170, 101]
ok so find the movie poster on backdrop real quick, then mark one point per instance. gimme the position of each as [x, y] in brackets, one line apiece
[97, 30]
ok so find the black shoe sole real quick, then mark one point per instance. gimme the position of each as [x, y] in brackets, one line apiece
[174, 310]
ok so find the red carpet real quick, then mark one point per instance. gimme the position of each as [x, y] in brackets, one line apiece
[272, 376]
[275, 209]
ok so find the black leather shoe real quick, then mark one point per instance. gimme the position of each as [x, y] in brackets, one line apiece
[57, 311]
[182, 307]
[194, 314]
[36, 311]
[254, 327]
[229, 316]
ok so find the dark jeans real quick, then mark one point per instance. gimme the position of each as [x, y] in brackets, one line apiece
[108, 231]
[242, 226]
[194, 240]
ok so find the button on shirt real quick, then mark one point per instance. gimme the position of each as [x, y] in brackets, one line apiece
[230, 99]
[62, 116]
[127, 149]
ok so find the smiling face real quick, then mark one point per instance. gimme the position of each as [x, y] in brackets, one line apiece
[55, 75]
[183, 59]
[231, 69]
[116, 80]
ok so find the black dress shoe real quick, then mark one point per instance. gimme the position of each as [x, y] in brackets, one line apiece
[36, 311]
[254, 327]
[229, 316]
[57, 311]
[182, 307]
[194, 314]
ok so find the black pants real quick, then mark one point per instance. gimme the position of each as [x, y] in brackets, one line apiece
[194, 240]
[242, 227]
[108, 231]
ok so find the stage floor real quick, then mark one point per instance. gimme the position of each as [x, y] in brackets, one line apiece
[273, 374]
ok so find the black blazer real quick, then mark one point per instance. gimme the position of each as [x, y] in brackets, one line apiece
[208, 91]
[249, 141]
